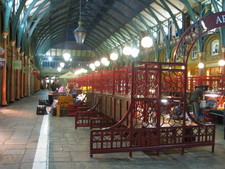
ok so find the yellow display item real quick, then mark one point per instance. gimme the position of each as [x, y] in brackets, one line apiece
[86, 88]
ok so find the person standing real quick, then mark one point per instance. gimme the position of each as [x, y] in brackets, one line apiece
[196, 97]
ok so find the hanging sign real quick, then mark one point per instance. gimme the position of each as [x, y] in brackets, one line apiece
[27, 69]
[2, 62]
[17, 64]
[2, 51]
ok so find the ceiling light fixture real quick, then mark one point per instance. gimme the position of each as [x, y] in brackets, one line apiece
[80, 32]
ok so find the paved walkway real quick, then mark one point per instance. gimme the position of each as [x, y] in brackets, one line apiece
[29, 141]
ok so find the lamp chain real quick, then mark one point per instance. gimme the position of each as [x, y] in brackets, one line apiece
[80, 10]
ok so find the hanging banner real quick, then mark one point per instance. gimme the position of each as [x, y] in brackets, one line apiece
[17, 64]
[2, 62]
[27, 69]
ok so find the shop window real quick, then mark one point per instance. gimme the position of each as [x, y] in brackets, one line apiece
[215, 47]
[194, 53]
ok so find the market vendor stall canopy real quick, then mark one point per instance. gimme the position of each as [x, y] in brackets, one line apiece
[63, 79]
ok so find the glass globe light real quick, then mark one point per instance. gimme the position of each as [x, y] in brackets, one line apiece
[97, 63]
[146, 42]
[127, 50]
[114, 56]
[59, 69]
[66, 56]
[134, 52]
[62, 64]
[104, 60]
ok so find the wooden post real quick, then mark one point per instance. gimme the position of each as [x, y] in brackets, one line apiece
[12, 84]
[5, 46]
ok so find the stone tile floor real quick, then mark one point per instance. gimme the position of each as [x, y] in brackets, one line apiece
[69, 148]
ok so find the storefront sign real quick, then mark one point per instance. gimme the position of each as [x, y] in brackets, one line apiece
[215, 20]
[17, 64]
[27, 69]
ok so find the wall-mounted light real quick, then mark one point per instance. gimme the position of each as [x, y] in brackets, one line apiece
[201, 65]
[221, 62]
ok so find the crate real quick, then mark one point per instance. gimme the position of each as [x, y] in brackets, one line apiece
[43, 102]
[64, 101]
[41, 110]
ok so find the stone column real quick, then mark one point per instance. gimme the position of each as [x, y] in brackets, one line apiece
[18, 77]
[222, 70]
[5, 46]
[12, 84]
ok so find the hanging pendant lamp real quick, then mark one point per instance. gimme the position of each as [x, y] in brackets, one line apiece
[80, 32]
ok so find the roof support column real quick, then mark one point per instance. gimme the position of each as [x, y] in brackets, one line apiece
[28, 77]
[21, 75]
[5, 46]
[222, 71]
[25, 76]
[18, 77]
[12, 84]
[200, 60]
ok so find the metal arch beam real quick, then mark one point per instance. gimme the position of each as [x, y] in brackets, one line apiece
[190, 10]
[60, 24]
[140, 16]
[160, 27]
[172, 16]
[16, 19]
[119, 12]
[43, 29]
[24, 20]
[7, 10]
[34, 25]
[174, 6]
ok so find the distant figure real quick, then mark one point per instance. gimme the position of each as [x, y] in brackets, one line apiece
[197, 95]
[53, 86]
[210, 103]
[62, 89]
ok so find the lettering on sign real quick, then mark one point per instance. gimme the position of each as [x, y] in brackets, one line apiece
[220, 19]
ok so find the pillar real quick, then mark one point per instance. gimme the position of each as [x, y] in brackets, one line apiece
[12, 84]
[4, 101]
[21, 75]
[18, 77]
[25, 76]
[28, 78]
[222, 57]
[200, 71]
